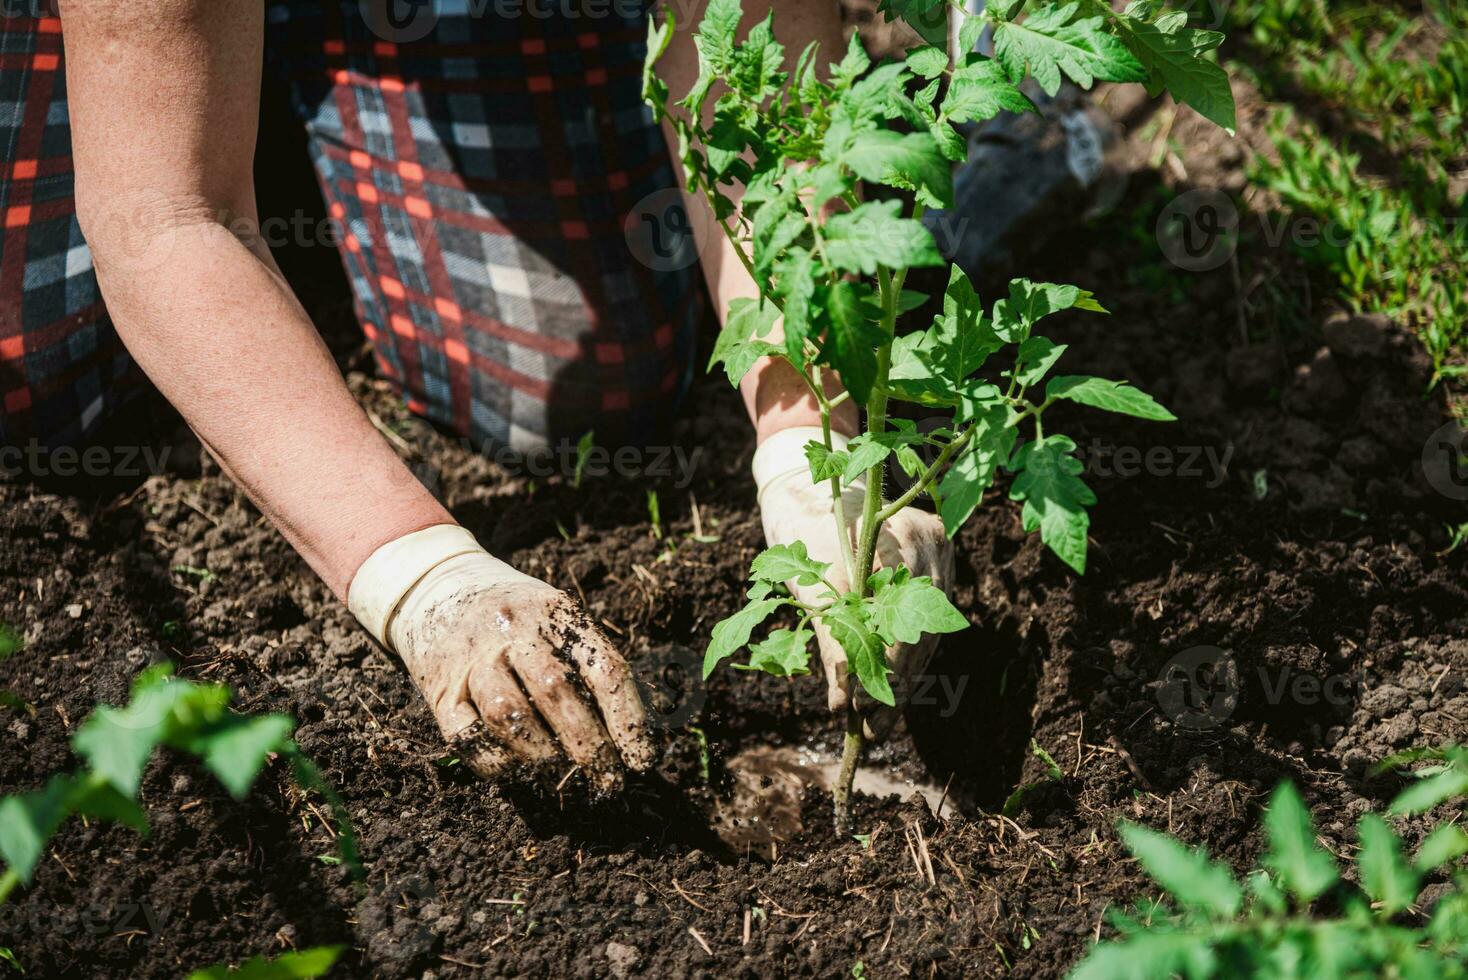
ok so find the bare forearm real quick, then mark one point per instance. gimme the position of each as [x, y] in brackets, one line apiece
[164, 108]
[774, 394]
[224, 339]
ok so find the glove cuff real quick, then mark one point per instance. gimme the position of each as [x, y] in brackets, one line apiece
[408, 575]
[784, 453]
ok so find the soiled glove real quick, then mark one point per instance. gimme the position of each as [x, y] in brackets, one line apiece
[795, 509]
[512, 668]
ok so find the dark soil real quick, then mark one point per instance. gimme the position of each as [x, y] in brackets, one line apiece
[1307, 554]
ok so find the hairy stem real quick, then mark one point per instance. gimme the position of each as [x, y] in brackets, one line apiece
[838, 505]
[870, 527]
[926, 480]
[850, 756]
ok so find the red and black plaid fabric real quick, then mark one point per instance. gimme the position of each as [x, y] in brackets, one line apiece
[62, 368]
[501, 195]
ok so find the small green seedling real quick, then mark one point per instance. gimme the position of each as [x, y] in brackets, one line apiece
[1296, 916]
[302, 964]
[1053, 774]
[116, 744]
[655, 514]
[583, 453]
[830, 264]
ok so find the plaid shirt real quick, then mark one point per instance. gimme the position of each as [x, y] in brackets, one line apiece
[503, 201]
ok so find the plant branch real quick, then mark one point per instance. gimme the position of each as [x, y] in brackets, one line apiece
[929, 475]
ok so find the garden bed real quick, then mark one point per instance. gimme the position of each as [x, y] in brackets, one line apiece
[1285, 519]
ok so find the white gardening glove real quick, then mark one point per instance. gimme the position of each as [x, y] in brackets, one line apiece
[795, 509]
[512, 668]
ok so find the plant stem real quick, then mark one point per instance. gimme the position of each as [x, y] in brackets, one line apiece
[929, 475]
[850, 756]
[868, 529]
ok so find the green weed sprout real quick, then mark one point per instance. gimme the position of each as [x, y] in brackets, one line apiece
[797, 143]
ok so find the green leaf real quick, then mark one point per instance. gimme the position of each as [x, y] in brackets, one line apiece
[1037, 356]
[871, 448]
[715, 43]
[874, 234]
[1113, 396]
[727, 138]
[732, 634]
[1385, 874]
[1150, 954]
[1304, 868]
[865, 655]
[903, 608]
[1447, 843]
[909, 300]
[1431, 791]
[852, 66]
[1449, 923]
[796, 285]
[237, 749]
[788, 563]
[738, 347]
[962, 487]
[784, 654]
[927, 61]
[117, 742]
[908, 161]
[876, 97]
[852, 341]
[305, 964]
[101, 800]
[1029, 301]
[980, 91]
[969, 33]
[1055, 497]
[1049, 43]
[954, 347]
[1193, 879]
[825, 464]
[756, 69]
[659, 36]
[28, 821]
[1174, 60]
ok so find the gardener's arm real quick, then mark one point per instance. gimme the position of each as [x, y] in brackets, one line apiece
[783, 409]
[164, 110]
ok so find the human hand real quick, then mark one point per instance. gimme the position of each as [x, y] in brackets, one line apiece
[513, 669]
[793, 508]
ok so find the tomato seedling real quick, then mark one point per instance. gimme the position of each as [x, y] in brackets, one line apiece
[1296, 908]
[116, 745]
[778, 156]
